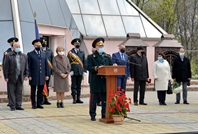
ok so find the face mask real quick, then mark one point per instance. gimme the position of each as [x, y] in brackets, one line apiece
[37, 48]
[160, 59]
[61, 53]
[77, 46]
[44, 45]
[100, 50]
[181, 54]
[122, 50]
[17, 50]
[142, 52]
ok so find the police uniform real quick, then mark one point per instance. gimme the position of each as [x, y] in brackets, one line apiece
[50, 55]
[37, 63]
[10, 41]
[98, 82]
[78, 71]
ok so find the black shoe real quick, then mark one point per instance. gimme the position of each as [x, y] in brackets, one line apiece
[99, 104]
[160, 103]
[39, 106]
[19, 108]
[103, 116]
[61, 105]
[8, 105]
[46, 102]
[177, 102]
[164, 103]
[12, 109]
[143, 103]
[79, 101]
[185, 102]
[136, 103]
[93, 119]
[33, 107]
[58, 104]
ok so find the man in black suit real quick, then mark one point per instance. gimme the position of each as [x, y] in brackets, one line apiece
[78, 71]
[11, 41]
[50, 55]
[139, 74]
[181, 73]
[38, 73]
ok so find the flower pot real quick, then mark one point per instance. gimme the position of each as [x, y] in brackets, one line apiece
[118, 119]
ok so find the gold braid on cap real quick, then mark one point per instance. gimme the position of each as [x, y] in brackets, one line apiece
[37, 43]
[99, 43]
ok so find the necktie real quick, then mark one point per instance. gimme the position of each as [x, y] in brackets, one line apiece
[122, 56]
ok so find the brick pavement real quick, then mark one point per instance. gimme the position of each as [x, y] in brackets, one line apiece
[74, 119]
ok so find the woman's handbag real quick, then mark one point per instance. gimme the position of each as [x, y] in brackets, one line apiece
[169, 91]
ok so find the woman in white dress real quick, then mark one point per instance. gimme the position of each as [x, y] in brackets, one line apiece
[161, 74]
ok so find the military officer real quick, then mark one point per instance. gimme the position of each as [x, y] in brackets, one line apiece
[38, 73]
[78, 71]
[50, 55]
[98, 83]
[11, 42]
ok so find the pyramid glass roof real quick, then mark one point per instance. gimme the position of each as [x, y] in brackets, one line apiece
[110, 18]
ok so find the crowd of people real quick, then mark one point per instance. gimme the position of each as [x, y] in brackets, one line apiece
[38, 65]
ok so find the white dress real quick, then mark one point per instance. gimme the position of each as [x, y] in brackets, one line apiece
[161, 71]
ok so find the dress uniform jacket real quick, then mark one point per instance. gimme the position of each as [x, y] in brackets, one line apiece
[38, 69]
[76, 68]
[97, 82]
[4, 54]
[50, 55]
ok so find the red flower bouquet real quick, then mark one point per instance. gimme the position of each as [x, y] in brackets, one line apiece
[118, 103]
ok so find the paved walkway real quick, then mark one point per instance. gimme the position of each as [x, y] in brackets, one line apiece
[74, 119]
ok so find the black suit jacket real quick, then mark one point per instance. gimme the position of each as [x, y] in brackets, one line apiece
[181, 70]
[11, 65]
[78, 70]
[139, 72]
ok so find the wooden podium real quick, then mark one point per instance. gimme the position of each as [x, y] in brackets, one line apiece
[111, 73]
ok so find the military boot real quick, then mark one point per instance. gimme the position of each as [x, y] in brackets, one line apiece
[74, 99]
[78, 99]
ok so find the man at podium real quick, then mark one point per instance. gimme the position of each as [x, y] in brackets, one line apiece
[97, 82]
[121, 59]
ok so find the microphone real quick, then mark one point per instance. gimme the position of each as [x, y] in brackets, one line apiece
[104, 54]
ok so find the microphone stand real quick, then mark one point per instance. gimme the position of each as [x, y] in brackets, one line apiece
[126, 117]
[122, 60]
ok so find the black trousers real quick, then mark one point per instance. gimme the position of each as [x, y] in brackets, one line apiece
[142, 85]
[93, 102]
[161, 96]
[76, 84]
[39, 95]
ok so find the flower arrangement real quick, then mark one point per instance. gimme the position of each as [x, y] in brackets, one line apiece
[175, 85]
[118, 103]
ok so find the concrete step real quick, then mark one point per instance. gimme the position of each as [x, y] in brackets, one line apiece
[84, 94]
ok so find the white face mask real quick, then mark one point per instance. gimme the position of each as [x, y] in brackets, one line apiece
[61, 53]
